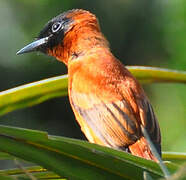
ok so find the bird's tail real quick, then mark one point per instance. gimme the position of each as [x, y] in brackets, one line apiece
[141, 148]
[145, 148]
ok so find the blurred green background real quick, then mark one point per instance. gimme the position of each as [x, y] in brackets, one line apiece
[141, 32]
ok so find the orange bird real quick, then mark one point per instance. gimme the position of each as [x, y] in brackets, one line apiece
[108, 102]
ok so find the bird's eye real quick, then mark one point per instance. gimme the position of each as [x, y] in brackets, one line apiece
[56, 27]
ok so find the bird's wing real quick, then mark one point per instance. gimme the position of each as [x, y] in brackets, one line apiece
[115, 124]
[111, 122]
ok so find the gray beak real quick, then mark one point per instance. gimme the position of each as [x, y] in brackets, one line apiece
[33, 46]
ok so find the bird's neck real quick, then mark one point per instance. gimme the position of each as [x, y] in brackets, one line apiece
[80, 41]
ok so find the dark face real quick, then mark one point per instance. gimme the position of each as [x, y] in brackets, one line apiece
[51, 35]
[55, 31]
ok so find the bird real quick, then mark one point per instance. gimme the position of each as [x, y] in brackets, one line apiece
[108, 102]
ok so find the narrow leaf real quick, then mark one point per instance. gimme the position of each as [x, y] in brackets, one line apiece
[5, 156]
[36, 171]
[37, 92]
[6, 178]
[33, 93]
[175, 157]
[154, 74]
[71, 158]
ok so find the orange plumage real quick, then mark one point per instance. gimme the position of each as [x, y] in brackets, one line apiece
[108, 102]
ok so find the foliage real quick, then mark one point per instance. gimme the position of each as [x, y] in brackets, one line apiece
[60, 157]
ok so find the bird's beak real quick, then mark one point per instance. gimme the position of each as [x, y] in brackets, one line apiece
[33, 46]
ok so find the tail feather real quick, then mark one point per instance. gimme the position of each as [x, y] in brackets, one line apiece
[141, 148]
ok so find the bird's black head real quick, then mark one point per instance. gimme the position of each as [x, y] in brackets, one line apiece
[51, 35]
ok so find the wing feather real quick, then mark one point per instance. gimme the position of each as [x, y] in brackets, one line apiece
[114, 124]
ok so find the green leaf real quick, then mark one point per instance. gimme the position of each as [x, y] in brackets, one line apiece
[16, 171]
[75, 159]
[5, 156]
[33, 93]
[36, 171]
[6, 178]
[37, 92]
[175, 157]
[153, 74]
